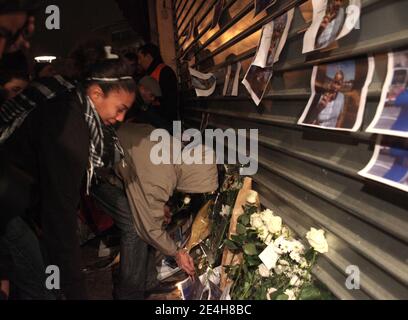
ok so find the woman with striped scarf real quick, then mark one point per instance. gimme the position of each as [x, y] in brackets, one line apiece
[46, 162]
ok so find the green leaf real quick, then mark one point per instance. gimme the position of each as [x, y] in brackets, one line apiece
[244, 219]
[309, 254]
[310, 293]
[241, 229]
[230, 244]
[253, 261]
[239, 239]
[245, 269]
[251, 210]
[250, 249]
[281, 297]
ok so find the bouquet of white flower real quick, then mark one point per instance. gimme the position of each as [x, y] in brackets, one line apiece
[276, 265]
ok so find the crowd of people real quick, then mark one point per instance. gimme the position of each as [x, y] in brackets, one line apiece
[85, 131]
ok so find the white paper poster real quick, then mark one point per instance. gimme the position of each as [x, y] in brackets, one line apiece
[389, 164]
[270, 46]
[339, 94]
[273, 39]
[256, 81]
[392, 112]
[232, 80]
[203, 83]
[332, 20]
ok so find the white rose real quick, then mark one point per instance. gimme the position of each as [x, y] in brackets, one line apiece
[256, 221]
[263, 233]
[270, 292]
[252, 197]
[298, 246]
[317, 240]
[274, 224]
[266, 214]
[263, 271]
[291, 294]
[187, 200]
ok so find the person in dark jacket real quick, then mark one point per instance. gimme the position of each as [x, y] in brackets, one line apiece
[12, 82]
[144, 109]
[151, 62]
[16, 24]
[54, 153]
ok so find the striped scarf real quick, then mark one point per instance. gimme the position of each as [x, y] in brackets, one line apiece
[97, 132]
[13, 112]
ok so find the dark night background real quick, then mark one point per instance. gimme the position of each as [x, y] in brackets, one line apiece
[84, 18]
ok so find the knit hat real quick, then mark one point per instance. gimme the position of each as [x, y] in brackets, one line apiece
[152, 85]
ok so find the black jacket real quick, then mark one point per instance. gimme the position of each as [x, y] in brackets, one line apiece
[168, 84]
[143, 113]
[46, 161]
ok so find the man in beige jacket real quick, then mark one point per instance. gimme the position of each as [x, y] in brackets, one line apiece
[140, 215]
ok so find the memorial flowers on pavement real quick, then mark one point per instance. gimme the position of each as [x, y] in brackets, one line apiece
[276, 265]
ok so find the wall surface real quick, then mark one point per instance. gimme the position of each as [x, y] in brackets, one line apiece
[164, 13]
[76, 25]
[307, 175]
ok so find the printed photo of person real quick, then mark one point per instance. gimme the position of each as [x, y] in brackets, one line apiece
[273, 39]
[392, 113]
[261, 5]
[256, 81]
[332, 20]
[280, 24]
[339, 92]
[389, 164]
[332, 23]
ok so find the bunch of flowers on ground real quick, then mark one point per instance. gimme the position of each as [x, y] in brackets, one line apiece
[275, 265]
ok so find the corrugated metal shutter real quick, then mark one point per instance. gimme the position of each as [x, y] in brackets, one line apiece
[309, 176]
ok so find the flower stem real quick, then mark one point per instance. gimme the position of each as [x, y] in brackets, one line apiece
[309, 270]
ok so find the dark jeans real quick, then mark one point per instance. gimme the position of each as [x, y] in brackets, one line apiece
[137, 264]
[28, 274]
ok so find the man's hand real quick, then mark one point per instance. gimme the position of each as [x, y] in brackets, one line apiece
[185, 262]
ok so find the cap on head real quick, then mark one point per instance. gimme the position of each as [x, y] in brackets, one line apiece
[152, 85]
